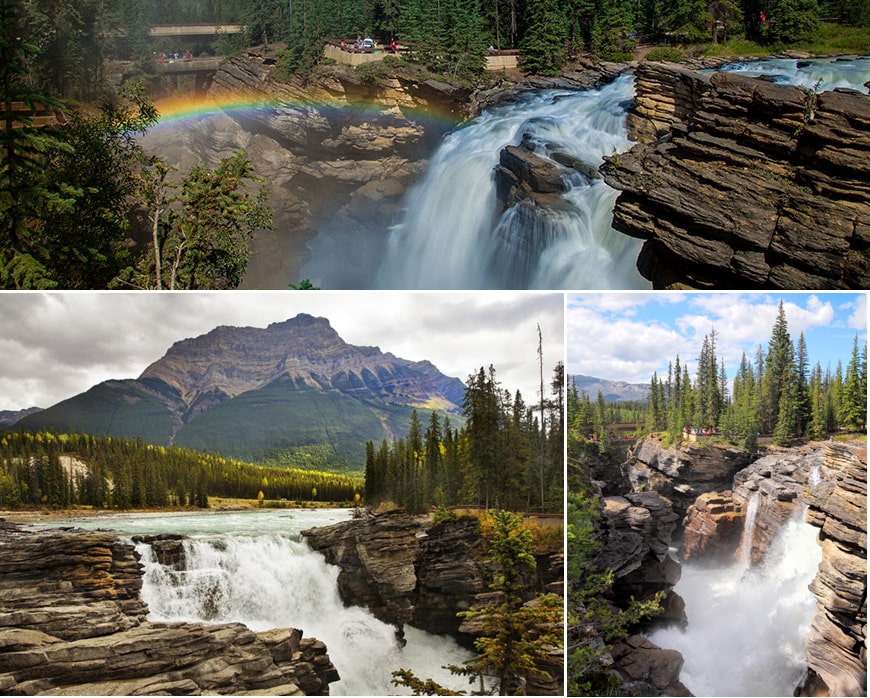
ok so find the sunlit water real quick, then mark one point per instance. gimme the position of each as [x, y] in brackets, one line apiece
[747, 630]
[255, 568]
[849, 72]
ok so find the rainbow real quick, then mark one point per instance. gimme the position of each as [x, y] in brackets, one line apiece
[187, 111]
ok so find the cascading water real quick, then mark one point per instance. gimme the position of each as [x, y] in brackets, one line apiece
[747, 629]
[452, 237]
[748, 532]
[271, 581]
[849, 72]
[255, 568]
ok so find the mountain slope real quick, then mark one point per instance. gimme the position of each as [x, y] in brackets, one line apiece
[253, 393]
[611, 390]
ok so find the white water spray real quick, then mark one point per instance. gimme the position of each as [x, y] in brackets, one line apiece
[273, 581]
[452, 236]
[746, 634]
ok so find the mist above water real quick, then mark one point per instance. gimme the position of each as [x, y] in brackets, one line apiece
[747, 628]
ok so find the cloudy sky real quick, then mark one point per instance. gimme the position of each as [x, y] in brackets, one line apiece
[627, 336]
[56, 345]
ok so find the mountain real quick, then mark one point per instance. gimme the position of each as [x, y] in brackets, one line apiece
[10, 417]
[611, 390]
[252, 393]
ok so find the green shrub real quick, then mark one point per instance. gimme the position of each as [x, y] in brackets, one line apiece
[666, 54]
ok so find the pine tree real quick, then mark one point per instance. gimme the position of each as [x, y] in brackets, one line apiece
[543, 48]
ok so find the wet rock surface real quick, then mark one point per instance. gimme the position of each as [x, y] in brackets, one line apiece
[742, 183]
[72, 623]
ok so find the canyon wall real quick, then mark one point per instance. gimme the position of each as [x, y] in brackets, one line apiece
[71, 622]
[742, 183]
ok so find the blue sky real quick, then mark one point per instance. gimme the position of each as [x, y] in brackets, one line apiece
[627, 336]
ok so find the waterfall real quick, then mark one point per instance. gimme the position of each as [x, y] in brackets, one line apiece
[273, 580]
[748, 532]
[815, 475]
[451, 235]
[746, 632]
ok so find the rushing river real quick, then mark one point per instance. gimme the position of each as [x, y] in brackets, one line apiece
[451, 236]
[255, 568]
[747, 627]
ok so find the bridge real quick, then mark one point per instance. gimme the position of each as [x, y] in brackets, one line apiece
[188, 30]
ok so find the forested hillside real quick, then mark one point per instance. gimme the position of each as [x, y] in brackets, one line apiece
[74, 38]
[52, 470]
[775, 392]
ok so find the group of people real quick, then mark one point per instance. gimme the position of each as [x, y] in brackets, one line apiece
[367, 45]
[172, 57]
[699, 432]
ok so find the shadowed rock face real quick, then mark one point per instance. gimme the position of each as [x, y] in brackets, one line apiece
[72, 623]
[742, 183]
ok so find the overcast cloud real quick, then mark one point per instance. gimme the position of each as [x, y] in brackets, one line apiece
[627, 336]
[56, 345]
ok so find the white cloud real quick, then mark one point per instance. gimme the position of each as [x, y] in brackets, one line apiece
[63, 343]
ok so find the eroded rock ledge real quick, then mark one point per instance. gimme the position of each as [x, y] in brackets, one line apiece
[72, 623]
[745, 184]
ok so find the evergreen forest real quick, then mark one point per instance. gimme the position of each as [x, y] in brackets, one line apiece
[45, 469]
[508, 454]
[776, 392]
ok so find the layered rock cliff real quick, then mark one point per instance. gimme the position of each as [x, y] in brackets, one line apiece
[72, 623]
[837, 643]
[742, 183]
[683, 472]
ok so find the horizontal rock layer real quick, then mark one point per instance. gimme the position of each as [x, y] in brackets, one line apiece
[837, 643]
[745, 184]
[72, 623]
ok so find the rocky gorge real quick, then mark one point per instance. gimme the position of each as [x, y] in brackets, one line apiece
[72, 623]
[740, 518]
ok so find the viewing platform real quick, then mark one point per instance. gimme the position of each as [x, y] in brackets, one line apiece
[345, 51]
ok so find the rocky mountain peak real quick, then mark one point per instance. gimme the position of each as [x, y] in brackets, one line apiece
[228, 361]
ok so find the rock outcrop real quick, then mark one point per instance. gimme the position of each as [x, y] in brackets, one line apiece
[683, 472]
[395, 564]
[635, 538]
[405, 569]
[748, 185]
[713, 527]
[72, 623]
[781, 481]
[837, 643]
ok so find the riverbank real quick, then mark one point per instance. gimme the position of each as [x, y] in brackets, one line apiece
[216, 505]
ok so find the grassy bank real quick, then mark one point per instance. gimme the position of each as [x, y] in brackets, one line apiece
[833, 39]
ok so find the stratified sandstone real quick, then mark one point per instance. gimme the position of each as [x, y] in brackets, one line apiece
[837, 643]
[742, 183]
[71, 623]
[683, 472]
[713, 527]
